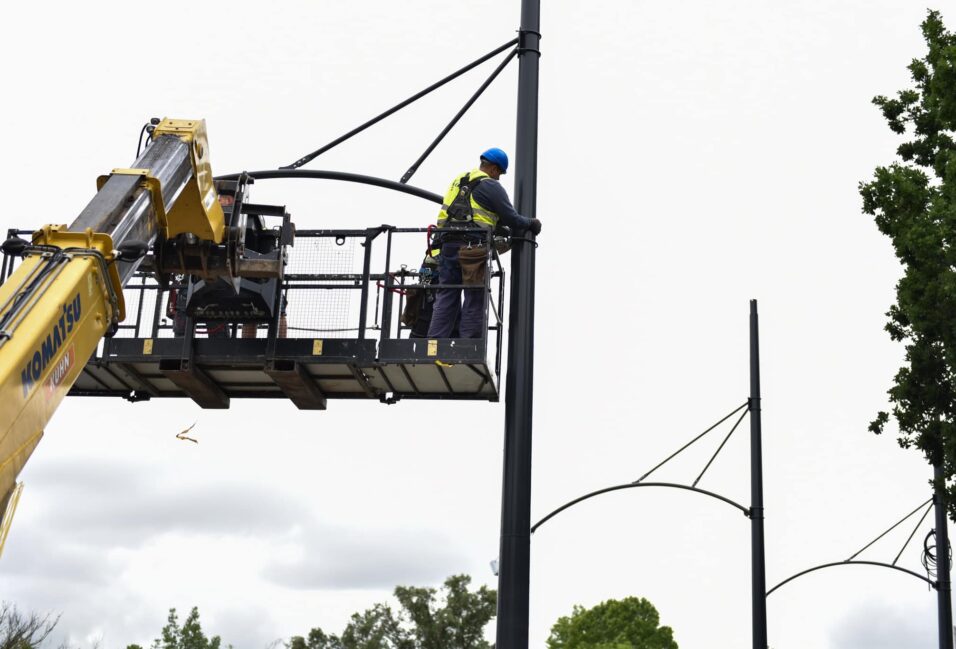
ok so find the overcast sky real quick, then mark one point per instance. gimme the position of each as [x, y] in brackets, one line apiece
[693, 155]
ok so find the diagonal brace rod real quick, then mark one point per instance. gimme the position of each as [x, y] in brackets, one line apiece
[375, 120]
[441, 136]
[910, 537]
[720, 448]
[685, 446]
[892, 527]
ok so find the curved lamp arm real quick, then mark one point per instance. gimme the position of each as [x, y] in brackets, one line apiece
[633, 485]
[852, 563]
[339, 175]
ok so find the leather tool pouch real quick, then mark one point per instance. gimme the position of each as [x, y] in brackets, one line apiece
[413, 304]
[474, 265]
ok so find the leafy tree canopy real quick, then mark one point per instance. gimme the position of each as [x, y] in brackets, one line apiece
[914, 203]
[629, 623]
[455, 619]
[188, 636]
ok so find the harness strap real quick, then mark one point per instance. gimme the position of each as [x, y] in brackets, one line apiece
[461, 208]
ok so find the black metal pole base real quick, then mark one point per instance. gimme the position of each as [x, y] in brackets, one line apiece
[944, 603]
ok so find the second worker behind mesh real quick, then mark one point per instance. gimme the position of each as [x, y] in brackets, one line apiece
[475, 200]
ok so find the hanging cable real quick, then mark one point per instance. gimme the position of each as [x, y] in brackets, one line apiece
[148, 129]
[139, 143]
[930, 558]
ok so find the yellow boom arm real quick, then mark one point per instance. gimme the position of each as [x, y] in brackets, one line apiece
[66, 294]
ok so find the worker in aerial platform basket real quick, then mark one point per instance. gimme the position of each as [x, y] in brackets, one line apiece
[475, 200]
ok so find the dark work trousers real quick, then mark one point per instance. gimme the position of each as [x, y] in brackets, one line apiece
[448, 304]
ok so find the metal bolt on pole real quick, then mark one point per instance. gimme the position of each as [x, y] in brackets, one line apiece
[944, 601]
[515, 551]
[758, 574]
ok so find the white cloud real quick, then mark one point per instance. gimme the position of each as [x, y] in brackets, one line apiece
[330, 558]
[884, 625]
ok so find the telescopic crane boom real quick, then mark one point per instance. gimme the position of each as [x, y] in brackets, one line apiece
[66, 294]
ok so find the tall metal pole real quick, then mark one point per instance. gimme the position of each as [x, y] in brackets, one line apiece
[757, 570]
[944, 601]
[515, 551]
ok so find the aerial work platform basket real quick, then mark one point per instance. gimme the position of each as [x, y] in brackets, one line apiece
[337, 325]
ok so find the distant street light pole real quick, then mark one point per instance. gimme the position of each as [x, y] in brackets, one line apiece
[758, 570]
[515, 550]
[754, 512]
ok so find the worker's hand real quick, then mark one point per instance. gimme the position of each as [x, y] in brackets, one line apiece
[535, 226]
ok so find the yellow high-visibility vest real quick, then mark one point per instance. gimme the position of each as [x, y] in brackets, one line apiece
[470, 213]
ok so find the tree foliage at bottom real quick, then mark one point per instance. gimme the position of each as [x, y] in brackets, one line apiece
[454, 619]
[629, 623]
[189, 635]
[24, 630]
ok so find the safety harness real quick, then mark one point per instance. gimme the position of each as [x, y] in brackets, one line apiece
[461, 210]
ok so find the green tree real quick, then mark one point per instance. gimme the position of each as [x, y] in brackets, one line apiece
[316, 640]
[914, 204]
[452, 619]
[629, 623]
[188, 636]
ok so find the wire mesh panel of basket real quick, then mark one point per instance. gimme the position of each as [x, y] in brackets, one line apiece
[315, 304]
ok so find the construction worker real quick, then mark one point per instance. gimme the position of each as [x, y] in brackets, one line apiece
[475, 199]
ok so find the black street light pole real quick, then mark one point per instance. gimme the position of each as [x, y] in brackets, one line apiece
[515, 552]
[758, 573]
[943, 585]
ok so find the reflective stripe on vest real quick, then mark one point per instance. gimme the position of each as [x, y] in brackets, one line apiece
[480, 216]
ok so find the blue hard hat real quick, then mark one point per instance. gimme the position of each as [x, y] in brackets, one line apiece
[498, 157]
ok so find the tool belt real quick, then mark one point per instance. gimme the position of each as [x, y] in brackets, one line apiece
[474, 264]
[451, 234]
